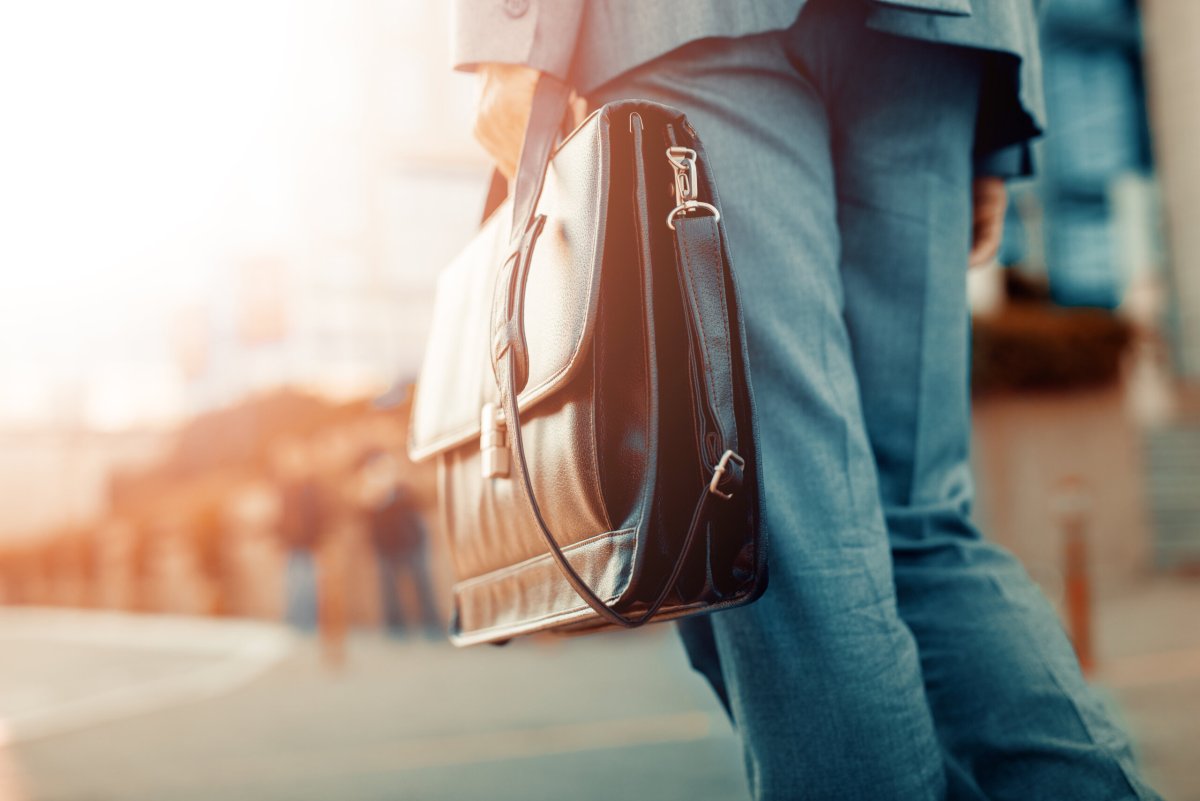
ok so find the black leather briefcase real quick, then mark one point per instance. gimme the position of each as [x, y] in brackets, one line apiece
[585, 389]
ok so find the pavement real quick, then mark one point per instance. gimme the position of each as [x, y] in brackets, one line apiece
[1148, 649]
[601, 717]
[100, 707]
[65, 670]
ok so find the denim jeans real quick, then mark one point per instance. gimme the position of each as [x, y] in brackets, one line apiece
[895, 654]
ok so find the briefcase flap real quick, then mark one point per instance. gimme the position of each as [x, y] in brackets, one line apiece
[560, 310]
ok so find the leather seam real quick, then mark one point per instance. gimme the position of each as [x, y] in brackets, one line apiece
[533, 624]
[691, 289]
[708, 357]
[504, 572]
[526, 624]
[597, 486]
[697, 408]
[730, 437]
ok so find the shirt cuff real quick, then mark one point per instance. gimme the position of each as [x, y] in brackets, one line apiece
[537, 33]
[1013, 161]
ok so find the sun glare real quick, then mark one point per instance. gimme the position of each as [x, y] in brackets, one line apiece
[141, 141]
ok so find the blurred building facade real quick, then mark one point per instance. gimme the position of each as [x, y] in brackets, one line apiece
[1096, 147]
[1107, 219]
[1172, 28]
[392, 184]
[1107, 224]
[384, 183]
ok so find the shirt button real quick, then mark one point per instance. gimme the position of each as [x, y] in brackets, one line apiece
[515, 8]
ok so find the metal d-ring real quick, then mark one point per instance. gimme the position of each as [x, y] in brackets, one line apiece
[691, 205]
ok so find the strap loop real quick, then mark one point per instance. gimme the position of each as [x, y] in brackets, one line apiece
[550, 100]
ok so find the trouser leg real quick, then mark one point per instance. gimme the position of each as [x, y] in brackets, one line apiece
[701, 644]
[1012, 711]
[822, 676]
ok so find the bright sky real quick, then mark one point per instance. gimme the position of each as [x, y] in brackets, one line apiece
[139, 140]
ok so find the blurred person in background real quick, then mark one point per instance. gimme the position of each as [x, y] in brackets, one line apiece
[861, 148]
[302, 520]
[334, 447]
[398, 538]
[207, 531]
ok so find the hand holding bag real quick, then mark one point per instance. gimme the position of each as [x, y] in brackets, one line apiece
[585, 389]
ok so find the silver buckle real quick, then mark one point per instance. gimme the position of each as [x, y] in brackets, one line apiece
[720, 470]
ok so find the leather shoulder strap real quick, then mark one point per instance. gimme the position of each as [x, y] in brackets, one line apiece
[496, 193]
[706, 307]
[550, 100]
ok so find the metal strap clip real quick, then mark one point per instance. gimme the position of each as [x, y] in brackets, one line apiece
[683, 159]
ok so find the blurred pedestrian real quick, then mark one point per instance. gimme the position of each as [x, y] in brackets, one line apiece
[398, 537]
[302, 519]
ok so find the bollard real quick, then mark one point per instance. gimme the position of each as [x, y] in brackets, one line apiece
[1072, 504]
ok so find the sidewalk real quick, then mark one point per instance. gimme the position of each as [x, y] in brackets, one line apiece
[1148, 646]
[594, 718]
[65, 670]
[244, 710]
